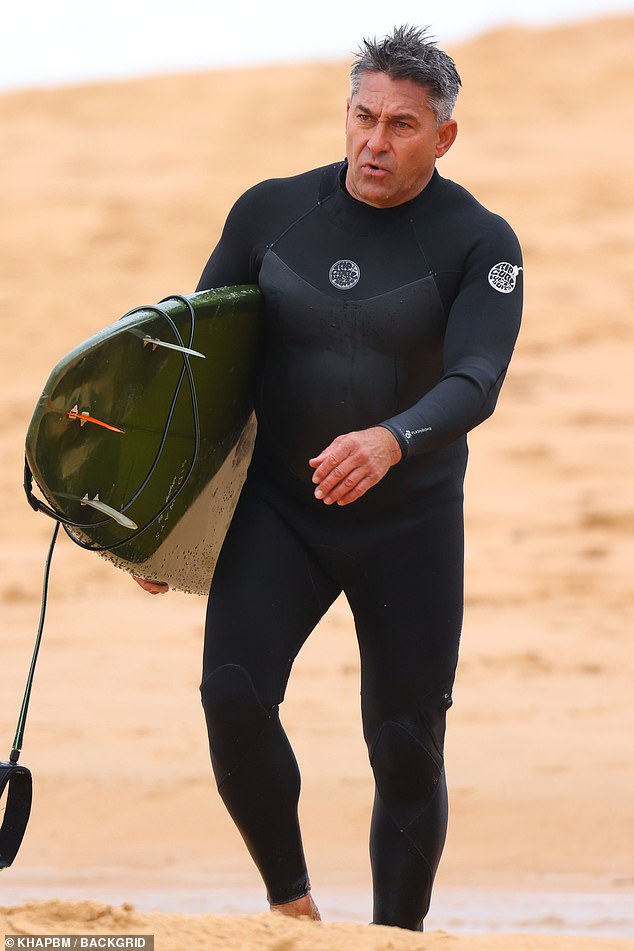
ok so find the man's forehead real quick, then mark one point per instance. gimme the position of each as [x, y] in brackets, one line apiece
[394, 95]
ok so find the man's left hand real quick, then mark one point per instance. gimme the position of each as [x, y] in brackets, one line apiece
[353, 463]
[152, 587]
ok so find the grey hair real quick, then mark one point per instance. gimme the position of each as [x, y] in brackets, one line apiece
[410, 53]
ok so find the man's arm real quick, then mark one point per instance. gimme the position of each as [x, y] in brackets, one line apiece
[482, 327]
[233, 259]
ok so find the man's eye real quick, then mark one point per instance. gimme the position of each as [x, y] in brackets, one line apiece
[402, 125]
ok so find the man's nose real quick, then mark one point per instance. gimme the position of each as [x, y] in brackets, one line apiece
[379, 139]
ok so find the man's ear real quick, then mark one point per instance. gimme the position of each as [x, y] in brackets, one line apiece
[447, 132]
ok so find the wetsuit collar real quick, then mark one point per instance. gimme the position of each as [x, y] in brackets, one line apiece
[360, 218]
[395, 209]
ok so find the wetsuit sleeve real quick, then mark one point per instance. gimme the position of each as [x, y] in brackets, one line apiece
[482, 326]
[233, 259]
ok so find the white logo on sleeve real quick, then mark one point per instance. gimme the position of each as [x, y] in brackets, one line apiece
[344, 275]
[503, 276]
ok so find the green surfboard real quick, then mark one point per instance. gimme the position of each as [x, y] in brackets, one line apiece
[143, 434]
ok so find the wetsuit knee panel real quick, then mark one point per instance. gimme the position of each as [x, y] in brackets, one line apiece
[233, 711]
[407, 770]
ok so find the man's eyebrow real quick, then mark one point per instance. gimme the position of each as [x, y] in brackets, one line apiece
[399, 116]
[359, 107]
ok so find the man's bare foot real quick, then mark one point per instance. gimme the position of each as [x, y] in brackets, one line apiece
[300, 908]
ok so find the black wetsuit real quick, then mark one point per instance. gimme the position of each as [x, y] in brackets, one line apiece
[403, 317]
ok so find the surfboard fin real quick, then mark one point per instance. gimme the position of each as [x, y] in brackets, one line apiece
[171, 346]
[84, 417]
[108, 510]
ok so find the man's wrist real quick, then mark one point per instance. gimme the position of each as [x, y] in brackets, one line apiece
[396, 451]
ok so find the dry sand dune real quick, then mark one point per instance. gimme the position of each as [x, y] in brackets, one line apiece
[113, 196]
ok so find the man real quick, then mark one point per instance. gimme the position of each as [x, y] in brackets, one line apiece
[392, 307]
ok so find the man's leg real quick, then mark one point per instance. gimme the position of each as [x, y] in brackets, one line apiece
[267, 595]
[408, 611]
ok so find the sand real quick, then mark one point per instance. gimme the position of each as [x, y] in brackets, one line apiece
[113, 196]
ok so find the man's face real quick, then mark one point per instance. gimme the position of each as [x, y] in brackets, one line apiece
[392, 140]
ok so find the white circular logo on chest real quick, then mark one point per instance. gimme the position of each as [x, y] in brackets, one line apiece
[344, 275]
[503, 276]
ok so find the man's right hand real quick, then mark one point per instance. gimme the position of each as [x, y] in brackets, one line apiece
[152, 587]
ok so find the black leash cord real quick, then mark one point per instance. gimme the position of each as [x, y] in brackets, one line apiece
[19, 734]
[15, 778]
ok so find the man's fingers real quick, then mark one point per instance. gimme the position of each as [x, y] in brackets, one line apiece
[333, 492]
[152, 587]
[341, 472]
[337, 457]
[344, 465]
[359, 489]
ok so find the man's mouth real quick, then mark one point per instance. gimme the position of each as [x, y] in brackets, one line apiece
[372, 169]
